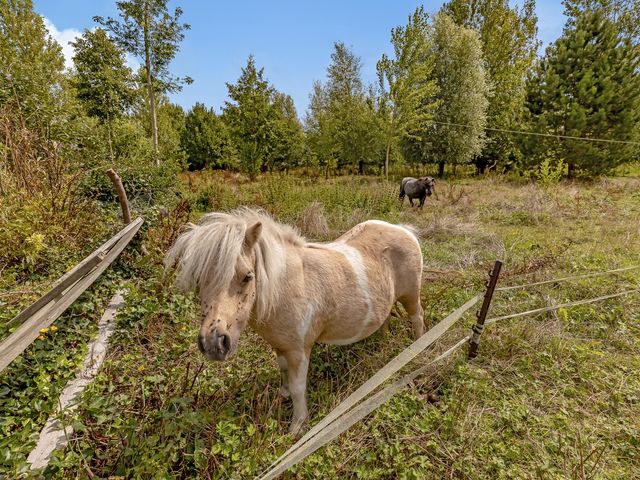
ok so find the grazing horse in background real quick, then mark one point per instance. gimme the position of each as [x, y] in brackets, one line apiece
[250, 269]
[419, 188]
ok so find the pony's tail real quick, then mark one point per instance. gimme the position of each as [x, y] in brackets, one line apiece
[402, 194]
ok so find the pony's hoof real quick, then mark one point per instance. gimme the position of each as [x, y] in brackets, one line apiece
[297, 427]
[284, 391]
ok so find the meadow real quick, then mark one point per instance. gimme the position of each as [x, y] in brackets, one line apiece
[549, 396]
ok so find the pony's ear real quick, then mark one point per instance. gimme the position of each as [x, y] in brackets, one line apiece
[252, 235]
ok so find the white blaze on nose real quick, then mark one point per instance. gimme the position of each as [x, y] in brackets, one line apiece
[354, 258]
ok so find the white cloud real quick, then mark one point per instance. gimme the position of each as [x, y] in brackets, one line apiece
[63, 38]
[69, 35]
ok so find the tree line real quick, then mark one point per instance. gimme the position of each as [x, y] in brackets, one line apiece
[453, 90]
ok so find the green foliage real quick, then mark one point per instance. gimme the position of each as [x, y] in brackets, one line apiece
[102, 81]
[207, 141]
[462, 95]
[151, 33]
[587, 85]
[342, 125]
[262, 122]
[624, 13]
[509, 45]
[406, 85]
[547, 174]
[148, 31]
[32, 64]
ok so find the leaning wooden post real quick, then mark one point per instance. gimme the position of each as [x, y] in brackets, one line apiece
[122, 195]
[482, 313]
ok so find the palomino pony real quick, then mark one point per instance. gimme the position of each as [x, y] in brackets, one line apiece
[251, 269]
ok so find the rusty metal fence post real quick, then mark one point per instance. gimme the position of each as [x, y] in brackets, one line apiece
[482, 313]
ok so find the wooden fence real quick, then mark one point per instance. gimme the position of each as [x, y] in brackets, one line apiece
[65, 291]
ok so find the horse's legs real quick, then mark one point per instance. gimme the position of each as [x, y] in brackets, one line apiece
[297, 366]
[282, 363]
[411, 304]
[422, 201]
[411, 201]
[384, 329]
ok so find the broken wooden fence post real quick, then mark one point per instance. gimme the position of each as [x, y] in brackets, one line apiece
[482, 314]
[122, 195]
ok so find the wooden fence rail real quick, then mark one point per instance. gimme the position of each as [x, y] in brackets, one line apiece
[66, 290]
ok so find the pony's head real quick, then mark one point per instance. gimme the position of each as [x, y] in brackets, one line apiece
[429, 184]
[236, 262]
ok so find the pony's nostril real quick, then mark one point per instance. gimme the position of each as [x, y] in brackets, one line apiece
[226, 343]
[200, 344]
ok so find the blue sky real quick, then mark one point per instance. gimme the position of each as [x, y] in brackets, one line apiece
[291, 39]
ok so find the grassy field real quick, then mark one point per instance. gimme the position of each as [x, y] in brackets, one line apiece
[552, 396]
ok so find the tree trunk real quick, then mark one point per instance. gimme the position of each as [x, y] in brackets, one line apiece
[122, 195]
[441, 169]
[150, 90]
[110, 139]
[386, 160]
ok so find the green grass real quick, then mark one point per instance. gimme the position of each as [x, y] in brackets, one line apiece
[552, 396]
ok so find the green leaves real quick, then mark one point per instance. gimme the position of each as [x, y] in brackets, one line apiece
[263, 123]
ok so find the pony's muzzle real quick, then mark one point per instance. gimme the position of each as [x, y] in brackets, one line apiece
[216, 347]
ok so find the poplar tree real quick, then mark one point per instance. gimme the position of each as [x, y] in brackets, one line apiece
[406, 88]
[509, 45]
[457, 134]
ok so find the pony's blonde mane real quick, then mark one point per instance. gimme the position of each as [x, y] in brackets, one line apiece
[206, 254]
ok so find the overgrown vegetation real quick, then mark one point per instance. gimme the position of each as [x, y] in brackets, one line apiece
[552, 394]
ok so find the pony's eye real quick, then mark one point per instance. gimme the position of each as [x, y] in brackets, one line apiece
[248, 277]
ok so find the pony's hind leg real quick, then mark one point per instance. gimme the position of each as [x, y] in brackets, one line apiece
[411, 304]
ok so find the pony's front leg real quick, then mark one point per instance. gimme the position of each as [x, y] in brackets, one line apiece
[297, 367]
[282, 363]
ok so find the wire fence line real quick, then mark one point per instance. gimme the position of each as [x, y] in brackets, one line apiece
[566, 279]
[536, 311]
[537, 134]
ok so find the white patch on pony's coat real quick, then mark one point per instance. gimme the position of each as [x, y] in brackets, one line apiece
[398, 227]
[354, 257]
[305, 323]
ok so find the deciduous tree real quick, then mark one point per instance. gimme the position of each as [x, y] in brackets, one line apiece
[406, 86]
[151, 33]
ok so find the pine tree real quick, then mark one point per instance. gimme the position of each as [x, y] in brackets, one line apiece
[587, 85]
[249, 117]
[342, 126]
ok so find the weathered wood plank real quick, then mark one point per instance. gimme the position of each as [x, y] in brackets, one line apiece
[26, 333]
[72, 276]
[54, 434]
